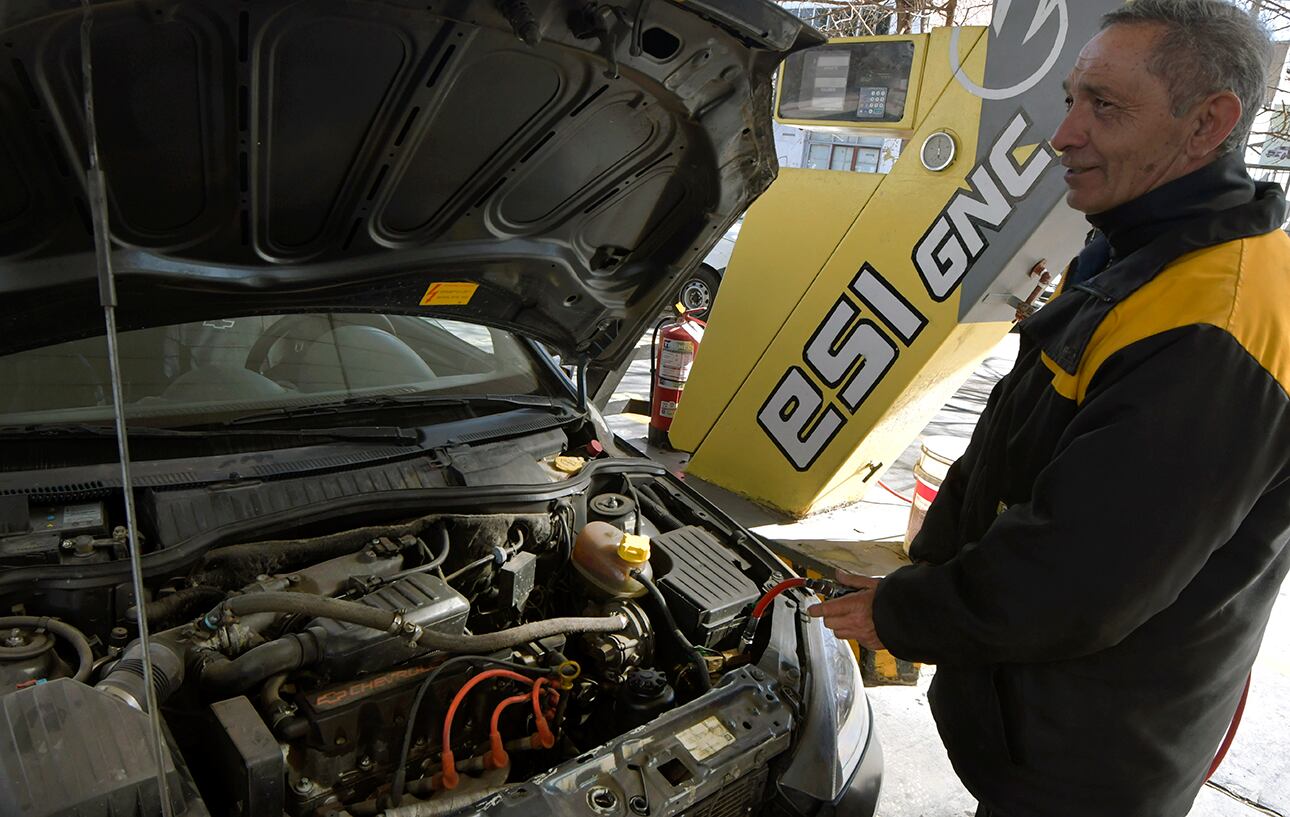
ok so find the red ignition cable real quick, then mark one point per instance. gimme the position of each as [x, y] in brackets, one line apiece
[450, 778]
[1231, 730]
[544, 737]
[498, 758]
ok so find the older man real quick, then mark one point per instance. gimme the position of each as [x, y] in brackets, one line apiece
[1095, 577]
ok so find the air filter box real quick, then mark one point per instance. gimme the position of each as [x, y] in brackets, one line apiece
[70, 750]
[706, 587]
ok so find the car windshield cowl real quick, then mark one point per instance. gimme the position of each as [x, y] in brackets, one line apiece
[85, 430]
[474, 405]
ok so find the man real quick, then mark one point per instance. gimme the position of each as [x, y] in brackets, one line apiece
[1094, 579]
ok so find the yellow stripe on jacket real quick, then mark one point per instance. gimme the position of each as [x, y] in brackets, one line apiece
[1241, 287]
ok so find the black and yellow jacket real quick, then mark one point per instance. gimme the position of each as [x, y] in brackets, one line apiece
[1101, 563]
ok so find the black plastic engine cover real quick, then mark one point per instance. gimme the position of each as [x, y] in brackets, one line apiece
[425, 600]
[69, 750]
[705, 587]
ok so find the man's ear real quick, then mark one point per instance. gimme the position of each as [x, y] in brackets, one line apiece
[1215, 118]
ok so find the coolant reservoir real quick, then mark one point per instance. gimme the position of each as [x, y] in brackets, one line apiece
[605, 556]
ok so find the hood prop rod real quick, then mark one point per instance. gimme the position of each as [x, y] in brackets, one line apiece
[582, 384]
[97, 191]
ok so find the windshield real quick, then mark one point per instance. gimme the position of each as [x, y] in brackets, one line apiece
[222, 369]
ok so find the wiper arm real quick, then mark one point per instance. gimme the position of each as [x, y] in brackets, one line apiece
[356, 433]
[384, 401]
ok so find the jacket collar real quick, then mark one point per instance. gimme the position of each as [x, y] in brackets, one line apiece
[1219, 185]
[1214, 205]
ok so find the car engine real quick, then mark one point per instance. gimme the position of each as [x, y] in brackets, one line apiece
[402, 666]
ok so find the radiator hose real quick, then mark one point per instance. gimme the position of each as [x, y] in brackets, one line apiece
[282, 655]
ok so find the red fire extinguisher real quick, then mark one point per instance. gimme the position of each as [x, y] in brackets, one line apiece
[672, 350]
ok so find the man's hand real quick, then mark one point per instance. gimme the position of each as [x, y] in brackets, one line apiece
[851, 616]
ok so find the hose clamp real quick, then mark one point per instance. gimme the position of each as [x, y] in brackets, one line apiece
[397, 623]
[413, 633]
[410, 630]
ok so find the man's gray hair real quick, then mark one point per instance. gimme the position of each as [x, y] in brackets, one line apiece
[1208, 46]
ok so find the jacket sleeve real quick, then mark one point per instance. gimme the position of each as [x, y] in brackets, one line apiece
[937, 540]
[1177, 438]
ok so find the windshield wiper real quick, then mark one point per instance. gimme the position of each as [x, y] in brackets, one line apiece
[403, 436]
[390, 401]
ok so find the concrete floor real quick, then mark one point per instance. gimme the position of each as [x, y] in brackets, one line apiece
[1254, 779]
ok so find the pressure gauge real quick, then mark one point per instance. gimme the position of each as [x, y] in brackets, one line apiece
[938, 151]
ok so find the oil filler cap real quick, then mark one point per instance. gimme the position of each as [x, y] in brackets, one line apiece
[634, 549]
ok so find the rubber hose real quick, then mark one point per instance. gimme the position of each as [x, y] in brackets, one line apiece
[255, 665]
[523, 634]
[275, 708]
[179, 605]
[84, 654]
[127, 675]
[445, 547]
[365, 616]
[696, 660]
[657, 509]
[303, 604]
[436, 561]
[461, 571]
[282, 722]
[636, 497]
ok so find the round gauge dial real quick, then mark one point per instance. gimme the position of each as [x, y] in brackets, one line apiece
[938, 151]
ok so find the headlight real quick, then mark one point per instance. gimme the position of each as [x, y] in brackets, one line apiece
[850, 714]
[836, 728]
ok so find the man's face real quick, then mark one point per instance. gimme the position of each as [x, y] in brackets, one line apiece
[1120, 138]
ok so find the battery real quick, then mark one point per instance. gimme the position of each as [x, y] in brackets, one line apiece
[72, 520]
[49, 525]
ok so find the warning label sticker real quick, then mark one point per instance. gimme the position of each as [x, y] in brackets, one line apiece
[667, 408]
[82, 516]
[676, 361]
[449, 293]
[705, 738]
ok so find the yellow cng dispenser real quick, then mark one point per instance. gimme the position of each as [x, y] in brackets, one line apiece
[855, 304]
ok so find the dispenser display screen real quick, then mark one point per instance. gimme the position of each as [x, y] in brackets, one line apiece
[859, 82]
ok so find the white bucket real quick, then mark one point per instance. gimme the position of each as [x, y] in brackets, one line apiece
[939, 453]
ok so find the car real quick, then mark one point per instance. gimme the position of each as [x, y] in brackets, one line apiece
[298, 514]
[699, 290]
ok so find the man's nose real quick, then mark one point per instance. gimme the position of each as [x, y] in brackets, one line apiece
[1071, 133]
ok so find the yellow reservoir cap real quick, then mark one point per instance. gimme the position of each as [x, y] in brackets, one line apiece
[634, 549]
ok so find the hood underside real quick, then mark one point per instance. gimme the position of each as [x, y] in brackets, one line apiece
[572, 160]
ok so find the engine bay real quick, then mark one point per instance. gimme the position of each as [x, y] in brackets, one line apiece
[586, 644]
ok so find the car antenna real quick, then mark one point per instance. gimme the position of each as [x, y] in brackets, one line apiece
[97, 190]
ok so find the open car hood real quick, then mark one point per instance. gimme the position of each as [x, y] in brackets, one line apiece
[547, 166]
